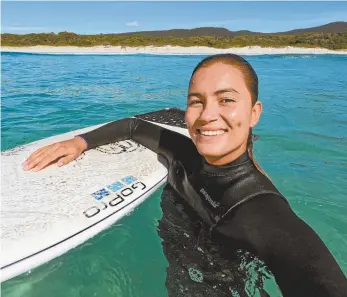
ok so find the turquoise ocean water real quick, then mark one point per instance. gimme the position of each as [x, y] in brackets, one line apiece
[302, 146]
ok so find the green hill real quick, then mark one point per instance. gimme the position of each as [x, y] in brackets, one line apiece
[331, 36]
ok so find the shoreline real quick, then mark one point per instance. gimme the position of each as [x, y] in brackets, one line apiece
[168, 50]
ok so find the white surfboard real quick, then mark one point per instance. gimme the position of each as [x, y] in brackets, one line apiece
[45, 214]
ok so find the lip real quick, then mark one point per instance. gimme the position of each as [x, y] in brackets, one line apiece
[209, 134]
[211, 130]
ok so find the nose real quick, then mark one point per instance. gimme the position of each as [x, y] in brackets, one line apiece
[210, 113]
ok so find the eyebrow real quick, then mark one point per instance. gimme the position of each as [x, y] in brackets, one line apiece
[229, 90]
[218, 92]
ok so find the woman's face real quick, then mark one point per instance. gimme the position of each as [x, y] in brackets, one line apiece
[219, 112]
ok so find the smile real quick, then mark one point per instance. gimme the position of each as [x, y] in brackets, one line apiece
[210, 133]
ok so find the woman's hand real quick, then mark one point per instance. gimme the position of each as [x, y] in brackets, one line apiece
[61, 153]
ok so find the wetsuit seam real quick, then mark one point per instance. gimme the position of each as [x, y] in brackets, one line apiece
[247, 198]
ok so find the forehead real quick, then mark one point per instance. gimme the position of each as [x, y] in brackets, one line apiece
[218, 76]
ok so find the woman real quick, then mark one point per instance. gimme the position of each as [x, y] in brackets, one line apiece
[220, 210]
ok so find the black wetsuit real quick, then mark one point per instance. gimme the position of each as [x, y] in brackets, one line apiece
[227, 228]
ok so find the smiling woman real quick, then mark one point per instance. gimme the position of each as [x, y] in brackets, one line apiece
[222, 98]
[220, 211]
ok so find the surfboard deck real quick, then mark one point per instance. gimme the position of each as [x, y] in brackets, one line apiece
[45, 214]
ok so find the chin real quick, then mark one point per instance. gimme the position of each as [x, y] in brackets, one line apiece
[211, 151]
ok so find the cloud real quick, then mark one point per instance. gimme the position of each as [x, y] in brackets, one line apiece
[133, 24]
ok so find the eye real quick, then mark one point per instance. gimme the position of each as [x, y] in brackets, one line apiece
[227, 100]
[195, 102]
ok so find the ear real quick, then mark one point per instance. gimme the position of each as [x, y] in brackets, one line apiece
[256, 112]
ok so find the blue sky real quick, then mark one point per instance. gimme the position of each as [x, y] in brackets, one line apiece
[92, 17]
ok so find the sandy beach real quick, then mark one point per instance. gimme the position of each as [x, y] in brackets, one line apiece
[167, 50]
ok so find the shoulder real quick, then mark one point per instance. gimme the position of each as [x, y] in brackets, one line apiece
[265, 206]
[270, 227]
[182, 146]
[268, 206]
[262, 220]
[295, 254]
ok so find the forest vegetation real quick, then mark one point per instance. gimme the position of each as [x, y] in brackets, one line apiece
[332, 41]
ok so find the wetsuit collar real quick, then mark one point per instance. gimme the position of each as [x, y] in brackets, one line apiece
[224, 169]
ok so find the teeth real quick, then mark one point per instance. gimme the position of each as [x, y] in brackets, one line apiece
[210, 133]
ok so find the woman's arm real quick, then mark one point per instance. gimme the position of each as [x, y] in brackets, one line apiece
[162, 141]
[129, 128]
[299, 260]
[165, 142]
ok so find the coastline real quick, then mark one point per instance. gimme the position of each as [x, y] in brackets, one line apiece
[168, 50]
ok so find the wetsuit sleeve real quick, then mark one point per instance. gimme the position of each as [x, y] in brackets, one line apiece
[167, 143]
[299, 260]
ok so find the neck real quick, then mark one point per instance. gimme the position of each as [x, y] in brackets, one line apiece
[228, 158]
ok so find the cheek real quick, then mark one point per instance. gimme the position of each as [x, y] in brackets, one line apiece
[191, 115]
[190, 118]
[233, 119]
[241, 128]
[238, 119]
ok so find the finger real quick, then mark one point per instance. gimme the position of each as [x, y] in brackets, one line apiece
[28, 164]
[65, 160]
[33, 156]
[48, 157]
[34, 160]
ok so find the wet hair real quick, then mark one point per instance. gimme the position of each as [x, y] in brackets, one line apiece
[251, 81]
